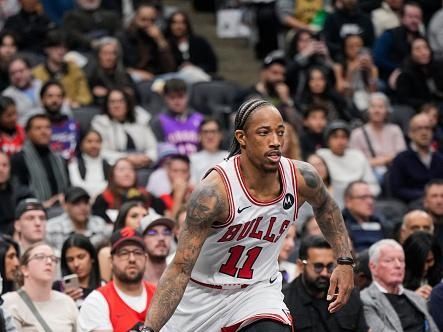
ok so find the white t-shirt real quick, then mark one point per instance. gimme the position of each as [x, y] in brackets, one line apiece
[60, 312]
[203, 160]
[94, 313]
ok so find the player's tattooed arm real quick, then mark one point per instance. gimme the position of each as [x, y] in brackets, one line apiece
[330, 220]
[207, 205]
[327, 213]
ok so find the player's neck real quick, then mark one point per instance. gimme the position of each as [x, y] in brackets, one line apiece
[257, 179]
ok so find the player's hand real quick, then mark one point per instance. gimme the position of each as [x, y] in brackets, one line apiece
[340, 287]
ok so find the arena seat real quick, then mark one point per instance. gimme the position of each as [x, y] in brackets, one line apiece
[83, 115]
[214, 99]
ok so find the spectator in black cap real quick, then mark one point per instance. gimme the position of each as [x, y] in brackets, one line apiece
[30, 223]
[67, 73]
[122, 304]
[157, 234]
[272, 87]
[345, 165]
[76, 219]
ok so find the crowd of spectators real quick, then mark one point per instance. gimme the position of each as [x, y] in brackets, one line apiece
[111, 112]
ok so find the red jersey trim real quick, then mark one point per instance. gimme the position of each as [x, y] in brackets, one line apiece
[274, 317]
[249, 195]
[228, 189]
[295, 186]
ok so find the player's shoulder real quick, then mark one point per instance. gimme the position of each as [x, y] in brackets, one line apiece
[302, 166]
[307, 176]
[212, 183]
[209, 202]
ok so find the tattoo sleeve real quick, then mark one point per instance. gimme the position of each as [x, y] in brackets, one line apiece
[207, 204]
[326, 210]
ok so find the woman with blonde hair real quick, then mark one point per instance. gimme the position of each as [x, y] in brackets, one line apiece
[35, 306]
[379, 140]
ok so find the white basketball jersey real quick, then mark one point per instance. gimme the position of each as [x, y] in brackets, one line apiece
[245, 249]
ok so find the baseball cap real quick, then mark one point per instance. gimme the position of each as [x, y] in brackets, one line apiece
[147, 223]
[74, 194]
[337, 125]
[124, 236]
[28, 204]
[165, 150]
[274, 57]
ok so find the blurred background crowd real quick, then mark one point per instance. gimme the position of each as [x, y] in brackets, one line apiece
[112, 110]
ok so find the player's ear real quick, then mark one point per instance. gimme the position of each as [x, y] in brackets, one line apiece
[240, 136]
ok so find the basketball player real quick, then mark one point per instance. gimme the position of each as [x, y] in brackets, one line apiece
[225, 274]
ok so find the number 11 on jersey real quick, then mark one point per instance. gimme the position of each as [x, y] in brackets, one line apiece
[246, 271]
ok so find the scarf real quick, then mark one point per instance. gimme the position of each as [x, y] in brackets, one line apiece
[39, 181]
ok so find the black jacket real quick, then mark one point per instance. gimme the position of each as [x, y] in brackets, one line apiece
[201, 54]
[418, 85]
[336, 27]
[311, 315]
[31, 29]
[84, 26]
[10, 195]
[142, 52]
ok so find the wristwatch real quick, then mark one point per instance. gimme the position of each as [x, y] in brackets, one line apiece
[344, 260]
[145, 329]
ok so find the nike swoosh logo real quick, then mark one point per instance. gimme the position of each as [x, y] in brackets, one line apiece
[272, 280]
[241, 210]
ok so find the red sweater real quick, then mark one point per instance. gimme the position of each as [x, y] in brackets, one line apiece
[12, 144]
[122, 316]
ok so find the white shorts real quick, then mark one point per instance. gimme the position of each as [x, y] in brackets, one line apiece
[204, 309]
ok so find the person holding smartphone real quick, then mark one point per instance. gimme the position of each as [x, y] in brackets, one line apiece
[79, 267]
[121, 305]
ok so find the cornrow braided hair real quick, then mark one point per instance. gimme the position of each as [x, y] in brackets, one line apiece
[243, 113]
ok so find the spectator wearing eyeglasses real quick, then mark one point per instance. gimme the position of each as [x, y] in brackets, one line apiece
[122, 304]
[306, 295]
[364, 226]
[157, 235]
[56, 310]
[413, 168]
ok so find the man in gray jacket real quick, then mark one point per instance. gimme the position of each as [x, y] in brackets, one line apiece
[387, 305]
